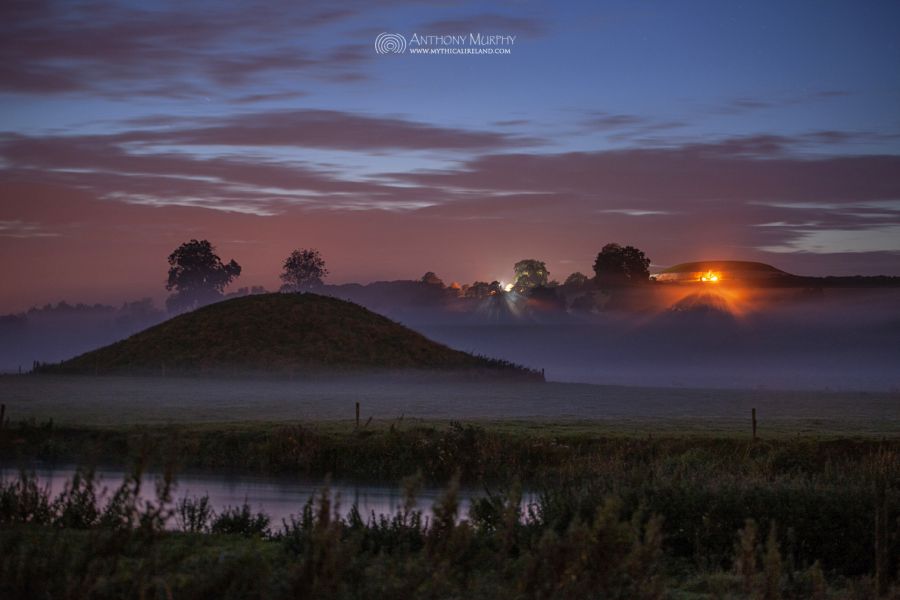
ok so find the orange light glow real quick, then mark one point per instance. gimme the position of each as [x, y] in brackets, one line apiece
[709, 276]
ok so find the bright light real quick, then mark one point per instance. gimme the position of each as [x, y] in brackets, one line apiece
[710, 277]
[508, 287]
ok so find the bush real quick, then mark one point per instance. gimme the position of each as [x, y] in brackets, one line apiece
[241, 521]
[194, 515]
[24, 501]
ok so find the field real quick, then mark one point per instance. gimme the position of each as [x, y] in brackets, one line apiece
[631, 492]
[107, 401]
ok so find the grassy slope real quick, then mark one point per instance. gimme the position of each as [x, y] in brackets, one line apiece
[275, 332]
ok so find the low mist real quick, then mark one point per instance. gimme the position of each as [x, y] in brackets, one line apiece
[59, 331]
[665, 335]
[786, 339]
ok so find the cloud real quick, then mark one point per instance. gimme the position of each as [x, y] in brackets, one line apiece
[635, 212]
[744, 169]
[881, 238]
[487, 23]
[626, 127]
[747, 104]
[786, 224]
[832, 137]
[268, 97]
[22, 229]
[601, 120]
[719, 190]
[259, 186]
[166, 160]
[511, 122]
[310, 128]
[741, 193]
[171, 50]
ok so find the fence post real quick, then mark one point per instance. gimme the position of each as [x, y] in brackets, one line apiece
[357, 415]
[881, 544]
[753, 416]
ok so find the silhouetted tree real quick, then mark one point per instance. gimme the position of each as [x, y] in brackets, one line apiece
[479, 289]
[303, 269]
[576, 280]
[545, 298]
[530, 273]
[197, 275]
[431, 279]
[621, 265]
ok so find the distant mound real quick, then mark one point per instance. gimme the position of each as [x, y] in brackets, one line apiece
[720, 270]
[280, 333]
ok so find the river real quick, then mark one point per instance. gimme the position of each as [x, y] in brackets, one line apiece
[278, 497]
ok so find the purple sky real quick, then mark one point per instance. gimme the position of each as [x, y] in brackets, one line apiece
[759, 130]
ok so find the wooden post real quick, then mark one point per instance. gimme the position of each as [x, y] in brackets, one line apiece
[753, 416]
[882, 566]
[357, 415]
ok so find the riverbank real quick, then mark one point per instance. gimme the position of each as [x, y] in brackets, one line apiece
[684, 503]
[479, 452]
[623, 518]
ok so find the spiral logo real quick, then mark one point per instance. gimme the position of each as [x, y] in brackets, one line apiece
[390, 43]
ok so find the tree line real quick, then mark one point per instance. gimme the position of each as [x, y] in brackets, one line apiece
[198, 276]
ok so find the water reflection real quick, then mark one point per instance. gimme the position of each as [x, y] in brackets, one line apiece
[278, 497]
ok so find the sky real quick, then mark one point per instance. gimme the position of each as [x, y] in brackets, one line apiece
[693, 130]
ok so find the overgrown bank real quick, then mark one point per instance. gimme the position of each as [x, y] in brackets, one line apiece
[493, 452]
[569, 544]
[682, 500]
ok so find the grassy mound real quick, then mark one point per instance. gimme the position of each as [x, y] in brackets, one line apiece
[279, 333]
[731, 266]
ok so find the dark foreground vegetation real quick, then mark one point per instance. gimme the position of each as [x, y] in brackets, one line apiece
[615, 517]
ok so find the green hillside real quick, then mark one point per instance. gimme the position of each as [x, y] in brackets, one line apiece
[279, 333]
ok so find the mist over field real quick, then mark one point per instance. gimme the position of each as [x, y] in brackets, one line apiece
[845, 339]
[56, 332]
[671, 336]
[124, 400]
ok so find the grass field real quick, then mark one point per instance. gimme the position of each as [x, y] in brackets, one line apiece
[87, 400]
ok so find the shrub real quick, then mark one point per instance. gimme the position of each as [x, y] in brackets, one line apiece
[194, 515]
[241, 521]
[24, 501]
